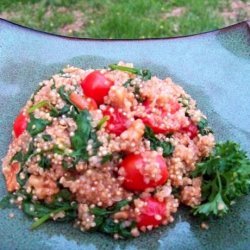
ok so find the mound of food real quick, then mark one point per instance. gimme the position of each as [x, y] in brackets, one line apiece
[115, 150]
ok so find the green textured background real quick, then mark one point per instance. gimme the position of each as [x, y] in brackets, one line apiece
[213, 67]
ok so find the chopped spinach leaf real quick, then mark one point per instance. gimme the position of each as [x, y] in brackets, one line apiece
[56, 113]
[106, 158]
[82, 135]
[45, 162]
[127, 83]
[167, 147]
[17, 157]
[5, 201]
[67, 165]
[47, 137]
[37, 125]
[137, 94]
[105, 224]
[203, 127]
[22, 181]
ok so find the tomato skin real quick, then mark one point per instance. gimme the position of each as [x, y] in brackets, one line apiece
[191, 130]
[20, 124]
[117, 122]
[82, 102]
[152, 208]
[96, 86]
[134, 180]
[154, 121]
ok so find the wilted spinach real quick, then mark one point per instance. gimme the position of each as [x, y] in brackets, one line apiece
[37, 125]
[167, 147]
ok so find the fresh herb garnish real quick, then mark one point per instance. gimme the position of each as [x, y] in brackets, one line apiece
[155, 143]
[47, 137]
[37, 125]
[144, 73]
[226, 176]
[203, 127]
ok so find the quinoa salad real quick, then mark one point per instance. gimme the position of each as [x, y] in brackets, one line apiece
[118, 151]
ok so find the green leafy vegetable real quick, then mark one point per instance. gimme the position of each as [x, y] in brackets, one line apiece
[66, 165]
[105, 224]
[37, 125]
[5, 201]
[102, 122]
[38, 105]
[167, 147]
[22, 181]
[18, 157]
[127, 83]
[226, 176]
[56, 113]
[47, 137]
[144, 73]
[106, 158]
[82, 135]
[108, 226]
[49, 214]
[45, 162]
[203, 127]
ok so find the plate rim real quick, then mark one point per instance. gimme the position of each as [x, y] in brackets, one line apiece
[245, 23]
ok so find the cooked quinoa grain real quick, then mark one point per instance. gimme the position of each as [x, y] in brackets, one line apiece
[105, 147]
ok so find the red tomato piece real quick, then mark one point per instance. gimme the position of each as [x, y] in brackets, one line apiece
[117, 122]
[20, 124]
[82, 102]
[96, 86]
[152, 213]
[134, 179]
[191, 130]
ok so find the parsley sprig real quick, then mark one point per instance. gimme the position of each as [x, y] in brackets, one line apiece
[226, 176]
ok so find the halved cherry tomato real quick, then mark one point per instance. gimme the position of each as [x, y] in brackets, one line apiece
[134, 179]
[96, 86]
[191, 130]
[10, 176]
[152, 213]
[154, 121]
[20, 124]
[82, 102]
[117, 122]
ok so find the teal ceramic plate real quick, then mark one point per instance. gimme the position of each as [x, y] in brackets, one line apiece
[213, 67]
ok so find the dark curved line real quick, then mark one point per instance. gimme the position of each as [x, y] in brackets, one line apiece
[234, 26]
